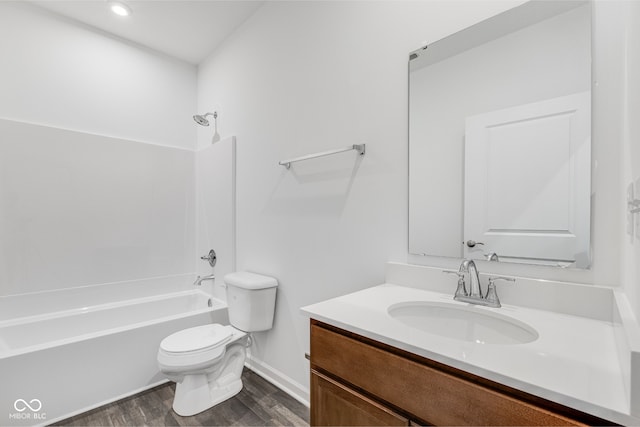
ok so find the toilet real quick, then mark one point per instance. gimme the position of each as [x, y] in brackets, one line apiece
[206, 361]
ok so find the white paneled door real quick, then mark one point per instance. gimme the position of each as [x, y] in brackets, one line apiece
[527, 181]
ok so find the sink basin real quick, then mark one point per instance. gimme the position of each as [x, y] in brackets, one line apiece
[465, 323]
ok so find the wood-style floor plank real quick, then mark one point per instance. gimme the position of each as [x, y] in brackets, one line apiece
[260, 403]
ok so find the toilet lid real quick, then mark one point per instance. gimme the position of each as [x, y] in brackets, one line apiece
[198, 338]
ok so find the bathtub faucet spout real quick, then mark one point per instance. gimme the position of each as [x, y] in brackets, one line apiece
[200, 279]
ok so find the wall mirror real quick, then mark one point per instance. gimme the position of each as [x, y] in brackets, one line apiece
[500, 139]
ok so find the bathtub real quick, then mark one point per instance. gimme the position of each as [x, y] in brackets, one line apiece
[56, 364]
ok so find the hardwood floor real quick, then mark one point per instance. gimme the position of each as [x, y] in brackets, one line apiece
[258, 404]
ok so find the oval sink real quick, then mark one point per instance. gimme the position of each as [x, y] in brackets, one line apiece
[465, 323]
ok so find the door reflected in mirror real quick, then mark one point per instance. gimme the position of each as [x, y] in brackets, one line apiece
[500, 139]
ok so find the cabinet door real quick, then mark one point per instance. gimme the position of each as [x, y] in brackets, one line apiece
[333, 404]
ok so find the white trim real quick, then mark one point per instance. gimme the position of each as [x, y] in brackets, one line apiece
[118, 282]
[103, 135]
[280, 380]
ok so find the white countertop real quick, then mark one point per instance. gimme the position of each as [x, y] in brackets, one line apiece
[573, 362]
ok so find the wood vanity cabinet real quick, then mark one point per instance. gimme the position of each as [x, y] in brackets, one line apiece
[356, 381]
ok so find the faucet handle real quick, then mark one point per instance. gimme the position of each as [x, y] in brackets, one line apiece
[493, 279]
[211, 257]
[457, 273]
[461, 290]
[491, 256]
[492, 295]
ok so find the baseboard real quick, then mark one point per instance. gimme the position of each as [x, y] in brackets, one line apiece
[280, 380]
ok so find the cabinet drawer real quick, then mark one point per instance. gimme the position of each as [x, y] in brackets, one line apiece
[333, 404]
[428, 394]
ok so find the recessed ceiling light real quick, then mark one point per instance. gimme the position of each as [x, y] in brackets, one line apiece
[119, 8]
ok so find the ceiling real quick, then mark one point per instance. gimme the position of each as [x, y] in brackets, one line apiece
[185, 29]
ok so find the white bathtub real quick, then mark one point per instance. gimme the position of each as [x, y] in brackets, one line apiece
[60, 363]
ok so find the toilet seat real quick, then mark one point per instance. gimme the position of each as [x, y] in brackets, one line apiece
[199, 338]
[197, 348]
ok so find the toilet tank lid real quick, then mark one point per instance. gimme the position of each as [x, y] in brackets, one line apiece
[246, 280]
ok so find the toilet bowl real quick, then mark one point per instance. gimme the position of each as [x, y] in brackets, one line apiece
[206, 364]
[206, 361]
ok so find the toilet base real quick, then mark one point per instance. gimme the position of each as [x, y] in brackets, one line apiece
[199, 391]
[193, 394]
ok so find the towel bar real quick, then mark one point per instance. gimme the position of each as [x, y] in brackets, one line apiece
[360, 148]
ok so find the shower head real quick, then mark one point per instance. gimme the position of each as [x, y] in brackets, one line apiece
[202, 120]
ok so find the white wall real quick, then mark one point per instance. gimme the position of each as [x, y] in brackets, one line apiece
[630, 154]
[79, 209]
[104, 191]
[58, 73]
[302, 77]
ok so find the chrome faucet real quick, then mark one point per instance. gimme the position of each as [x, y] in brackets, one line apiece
[212, 259]
[474, 296]
[201, 279]
[469, 266]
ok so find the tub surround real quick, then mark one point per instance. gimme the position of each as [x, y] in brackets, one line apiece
[576, 361]
[16, 307]
[81, 209]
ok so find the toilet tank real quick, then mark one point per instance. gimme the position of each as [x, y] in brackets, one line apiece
[252, 300]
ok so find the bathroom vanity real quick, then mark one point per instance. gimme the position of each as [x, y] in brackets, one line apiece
[359, 381]
[411, 355]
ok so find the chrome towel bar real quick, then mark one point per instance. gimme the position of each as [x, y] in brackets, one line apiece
[360, 148]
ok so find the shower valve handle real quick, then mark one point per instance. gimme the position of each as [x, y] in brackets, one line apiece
[211, 257]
